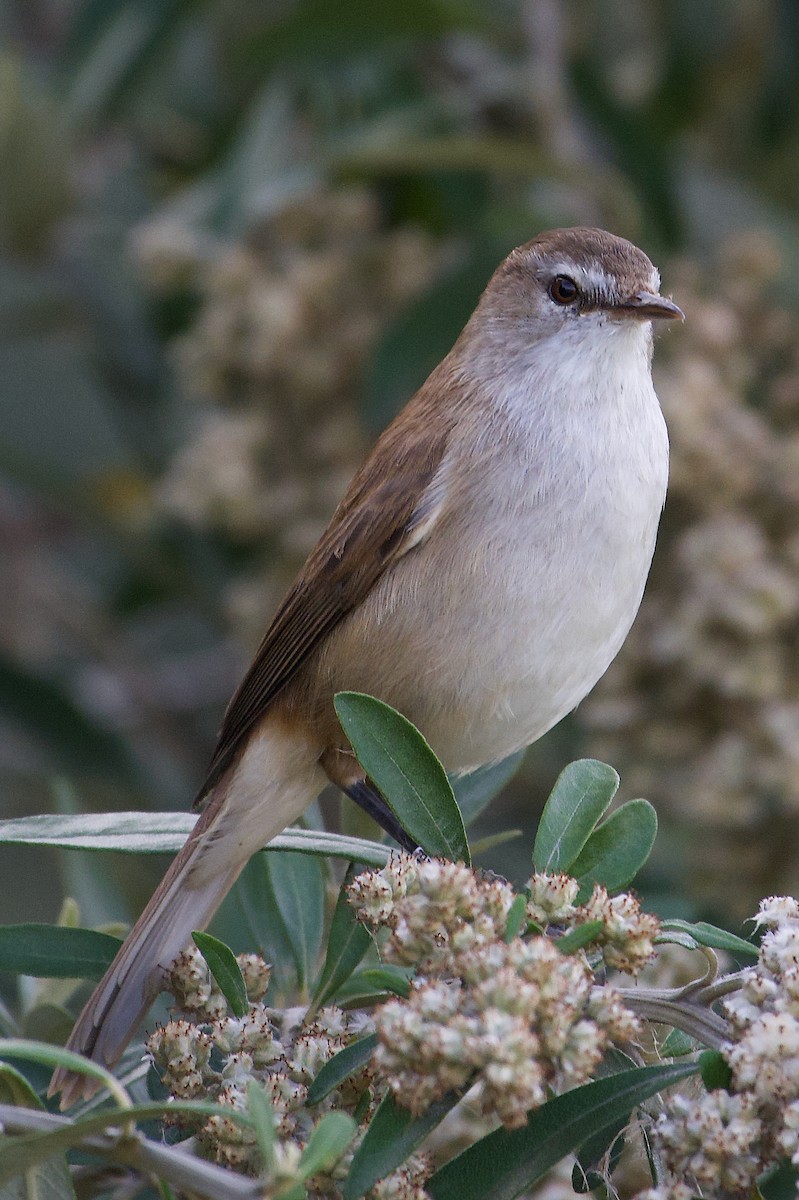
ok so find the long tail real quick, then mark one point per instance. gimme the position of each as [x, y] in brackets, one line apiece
[234, 824]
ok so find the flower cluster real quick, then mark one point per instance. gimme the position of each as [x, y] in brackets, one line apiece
[627, 937]
[715, 1140]
[726, 1138]
[765, 1015]
[516, 1017]
[217, 1056]
[506, 1019]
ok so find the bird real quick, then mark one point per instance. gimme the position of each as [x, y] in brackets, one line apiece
[479, 575]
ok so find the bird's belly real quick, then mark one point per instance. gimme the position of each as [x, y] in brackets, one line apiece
[520, 662]
[500, 643]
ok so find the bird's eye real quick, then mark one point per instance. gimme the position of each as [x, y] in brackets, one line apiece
[563, 290]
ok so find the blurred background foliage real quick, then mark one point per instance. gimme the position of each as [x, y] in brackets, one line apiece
[236, 234]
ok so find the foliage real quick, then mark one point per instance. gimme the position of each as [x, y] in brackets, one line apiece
[318, 1103]
[233, 237]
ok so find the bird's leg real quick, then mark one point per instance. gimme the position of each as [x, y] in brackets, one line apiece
[367, 797]
[343, 769]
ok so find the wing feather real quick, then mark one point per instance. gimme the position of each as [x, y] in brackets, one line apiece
[389, 508]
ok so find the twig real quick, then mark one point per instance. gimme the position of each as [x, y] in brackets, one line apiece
[148, 1158]
[695, 1020]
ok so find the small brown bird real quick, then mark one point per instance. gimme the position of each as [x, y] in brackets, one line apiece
[480, 575]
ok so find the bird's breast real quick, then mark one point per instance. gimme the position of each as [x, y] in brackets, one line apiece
[499, 623]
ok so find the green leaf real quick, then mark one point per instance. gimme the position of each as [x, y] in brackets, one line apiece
[392, 1135]
[585, 1176]
[516, 917]
[58, 1056]
[347, 943]
[349, 1060]
[388, 978]
[15, 1089]
[406, 771]
[616, 851]
[676, 937]
[475, 792]
[710, 935]
[48, 1022]
[55, 951]
[299, 891]
[580, 798]
[226, 971]
[715, 1071]
[581, 935]
[253, 895]
[165, 833]
[507, 1162]
[327, 1143]
[262, 1116]
[312, 31]
[48, 1180]
[677, 1045]
[778, 1183]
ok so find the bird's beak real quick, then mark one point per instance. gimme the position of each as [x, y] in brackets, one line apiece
[648, 306]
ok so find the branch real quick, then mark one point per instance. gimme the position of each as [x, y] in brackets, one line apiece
[171, 1163]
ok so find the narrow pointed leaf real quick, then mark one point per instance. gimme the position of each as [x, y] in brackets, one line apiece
[48, 1022]
[585, 1176]
[298, 886]
[388, 978]
[226, 971]
[165, 833]
[580, 798]
[56, 951]
[48, 1180]
[677, 1045]
[508, 1162]
[413, 782]
[262, 1116]
[327, 1143]
[779, 1183]
[676, 937]
[392, 1135]
[581, 935]
[347, 943]
[516, 917]
[341, 1066]
[254, 897]
[616, 851]
[710, 935]
[15, 1088]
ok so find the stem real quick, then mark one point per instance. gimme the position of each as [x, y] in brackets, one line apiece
[178, 1168]
[695, 1020]
[722, 987]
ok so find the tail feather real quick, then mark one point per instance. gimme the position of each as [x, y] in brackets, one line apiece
[136, 975]
[272, 784]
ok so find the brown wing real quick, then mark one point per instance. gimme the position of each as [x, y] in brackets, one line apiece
[384, 513]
